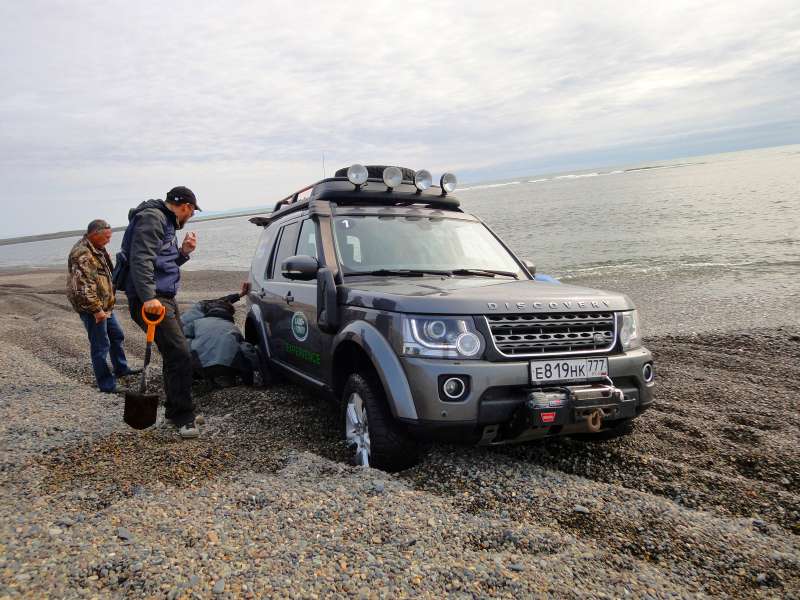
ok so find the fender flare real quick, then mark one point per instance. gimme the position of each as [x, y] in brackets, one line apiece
[387, 365]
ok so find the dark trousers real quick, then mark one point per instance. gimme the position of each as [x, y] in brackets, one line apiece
[176, 357]
[106, 337]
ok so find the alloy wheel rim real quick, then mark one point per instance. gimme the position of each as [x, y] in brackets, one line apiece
[357, 428]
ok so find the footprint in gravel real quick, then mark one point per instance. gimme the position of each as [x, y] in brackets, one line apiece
[762, 423]
[683, 427]
[743, 434]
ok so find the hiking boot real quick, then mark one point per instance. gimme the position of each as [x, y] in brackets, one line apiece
[132, 371]
[189, 431]
[166, 423]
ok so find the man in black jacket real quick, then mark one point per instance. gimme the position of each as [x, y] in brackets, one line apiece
[154, 261]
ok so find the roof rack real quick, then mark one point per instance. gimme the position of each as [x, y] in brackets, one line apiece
[373, 191]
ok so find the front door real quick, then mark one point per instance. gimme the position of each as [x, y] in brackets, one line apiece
[298, 340]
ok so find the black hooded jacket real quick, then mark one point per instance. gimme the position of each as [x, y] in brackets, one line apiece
[152, 250]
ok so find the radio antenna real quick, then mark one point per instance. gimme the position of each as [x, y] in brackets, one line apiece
[323, 165]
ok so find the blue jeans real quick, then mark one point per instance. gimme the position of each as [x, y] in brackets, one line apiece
[106, 338]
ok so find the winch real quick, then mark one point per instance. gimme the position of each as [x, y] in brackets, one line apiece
[591, 403]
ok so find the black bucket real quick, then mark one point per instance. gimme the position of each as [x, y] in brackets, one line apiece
[141, 410]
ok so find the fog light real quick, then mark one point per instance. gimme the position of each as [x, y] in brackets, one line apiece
[392, 177]
[454, 388]
[648, 372]
[357, 174]
[423, 180]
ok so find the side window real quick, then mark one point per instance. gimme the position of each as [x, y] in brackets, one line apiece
[307, 244]
[263, 251]
[285, 249]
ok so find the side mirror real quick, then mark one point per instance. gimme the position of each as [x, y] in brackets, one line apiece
[530, 266]
[301, 268]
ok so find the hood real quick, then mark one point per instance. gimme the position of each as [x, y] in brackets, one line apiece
[476, 295]
[157, 204]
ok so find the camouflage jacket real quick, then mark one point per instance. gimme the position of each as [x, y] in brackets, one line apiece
[89, 286]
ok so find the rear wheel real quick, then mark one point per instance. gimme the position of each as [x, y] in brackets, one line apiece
[266, 374]
[374, 437]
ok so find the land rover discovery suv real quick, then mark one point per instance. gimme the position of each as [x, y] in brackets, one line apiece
[374, 288]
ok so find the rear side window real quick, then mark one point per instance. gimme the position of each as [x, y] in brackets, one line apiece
[285, 249]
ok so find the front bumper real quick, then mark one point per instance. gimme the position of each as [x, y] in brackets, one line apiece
[499, 390]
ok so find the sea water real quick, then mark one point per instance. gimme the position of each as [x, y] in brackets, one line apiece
[702, 233]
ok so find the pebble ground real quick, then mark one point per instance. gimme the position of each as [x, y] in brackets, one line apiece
[702, 499]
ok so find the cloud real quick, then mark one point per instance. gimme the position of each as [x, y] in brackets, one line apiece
[116, 102]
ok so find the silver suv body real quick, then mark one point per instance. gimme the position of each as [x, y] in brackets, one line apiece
[421, 324]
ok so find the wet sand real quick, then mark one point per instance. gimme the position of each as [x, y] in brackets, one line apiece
[701, 499]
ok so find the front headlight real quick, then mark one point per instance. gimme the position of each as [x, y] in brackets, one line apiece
[630, 333]
[441, 337]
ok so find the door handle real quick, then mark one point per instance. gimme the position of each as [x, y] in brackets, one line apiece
[289, 298]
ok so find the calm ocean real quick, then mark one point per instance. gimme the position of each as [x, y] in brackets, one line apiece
[708, 230]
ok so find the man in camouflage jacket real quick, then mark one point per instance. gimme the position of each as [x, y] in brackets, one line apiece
[91, 293]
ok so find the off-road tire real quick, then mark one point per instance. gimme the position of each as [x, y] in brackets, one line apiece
[267, 376]
[391, 448]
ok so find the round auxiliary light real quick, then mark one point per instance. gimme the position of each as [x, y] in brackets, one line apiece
[468, 344]
[448, 183]
[454, 388]
[357, 174]
[392, 177]
[423, 180]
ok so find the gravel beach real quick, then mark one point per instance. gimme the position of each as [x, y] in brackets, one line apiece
[702, 499]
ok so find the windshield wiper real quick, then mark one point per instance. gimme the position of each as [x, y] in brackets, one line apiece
[399, 272]
[483, 272]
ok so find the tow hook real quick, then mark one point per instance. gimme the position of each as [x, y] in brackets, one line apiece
[594, 420]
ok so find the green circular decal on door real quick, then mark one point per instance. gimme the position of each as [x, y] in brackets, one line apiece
[300, 326]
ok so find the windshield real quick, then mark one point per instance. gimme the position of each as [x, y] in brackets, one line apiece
[410, 243]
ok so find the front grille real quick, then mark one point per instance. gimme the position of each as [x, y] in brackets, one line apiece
[543, 334]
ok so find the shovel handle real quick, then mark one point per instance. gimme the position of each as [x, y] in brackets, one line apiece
[151, 325]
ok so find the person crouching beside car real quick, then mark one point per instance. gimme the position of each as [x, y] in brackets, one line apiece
[91, 294]
[219, 350]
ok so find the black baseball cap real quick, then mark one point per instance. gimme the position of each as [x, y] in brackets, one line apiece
[182, 195]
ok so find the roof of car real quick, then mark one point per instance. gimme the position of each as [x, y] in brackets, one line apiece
[340, 191]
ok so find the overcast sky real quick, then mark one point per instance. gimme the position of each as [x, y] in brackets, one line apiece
[104, 104]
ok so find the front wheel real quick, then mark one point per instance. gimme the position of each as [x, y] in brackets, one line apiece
[375, 439]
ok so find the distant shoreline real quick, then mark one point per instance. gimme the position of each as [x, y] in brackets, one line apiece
[78, 232]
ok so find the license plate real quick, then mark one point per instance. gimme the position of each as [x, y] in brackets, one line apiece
[568, 369]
